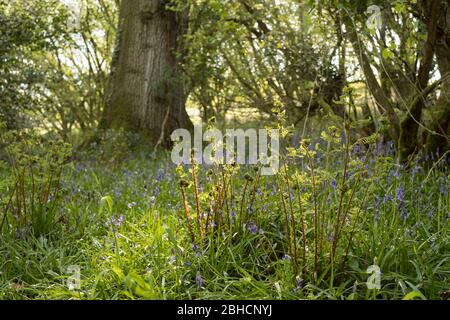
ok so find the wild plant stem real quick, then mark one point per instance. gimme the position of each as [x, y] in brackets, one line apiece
[294, 224]
[288, 227]
[197, 200]
[341, 200]
[241, 218]
[302, 221]
[186, 211]
[316, 222]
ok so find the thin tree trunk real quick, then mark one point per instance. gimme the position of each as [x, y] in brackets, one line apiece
[410, 126]
[374, 86]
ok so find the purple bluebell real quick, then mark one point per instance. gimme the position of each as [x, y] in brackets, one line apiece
[431, 213]
[400, 196]
[156, 191]
[358, 150]
[299, 286]
[117, 222]
[127, 173]
[333, 184]
[376, 208]
[386, 198]
[159, 175]
[259, 192]
[196, 249]
[199, 280]
[287, 257]
[252, 227]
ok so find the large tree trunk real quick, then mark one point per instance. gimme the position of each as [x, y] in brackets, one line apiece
[146, 91]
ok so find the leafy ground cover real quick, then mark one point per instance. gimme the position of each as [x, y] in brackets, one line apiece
[145, 228]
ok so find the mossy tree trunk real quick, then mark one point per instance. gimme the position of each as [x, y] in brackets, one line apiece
[146, 91]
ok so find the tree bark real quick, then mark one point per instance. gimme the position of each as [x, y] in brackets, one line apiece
[441, 140]
[410, 126]
[381, 99]
[146, 92]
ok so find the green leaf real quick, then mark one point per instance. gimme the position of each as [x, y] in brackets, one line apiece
[106, 201]
[387, 54]
[414, 294]
[118, 271]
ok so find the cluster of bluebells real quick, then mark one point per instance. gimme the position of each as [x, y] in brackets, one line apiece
[117, 221]
[196, 249]
[376, 208]
[401, 203]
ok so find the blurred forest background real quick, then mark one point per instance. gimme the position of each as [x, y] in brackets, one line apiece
[92, 207]
[382, 65]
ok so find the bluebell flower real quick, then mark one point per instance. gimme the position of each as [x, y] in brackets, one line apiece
[287, 257]
[400, 194]
[386, 198]
[357, 149]
[405, 215]
[259, 192]
[274, 190]
[252, 227]
[160, 175]
[199, 280]
[376, 208]
[156, 191]
[127, 173]
[196, 249]
[431, 213]
[333, 184]
[299, 286]
[331, 237]
[118, 221]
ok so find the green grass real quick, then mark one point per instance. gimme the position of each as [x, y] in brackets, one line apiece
[125, 226]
